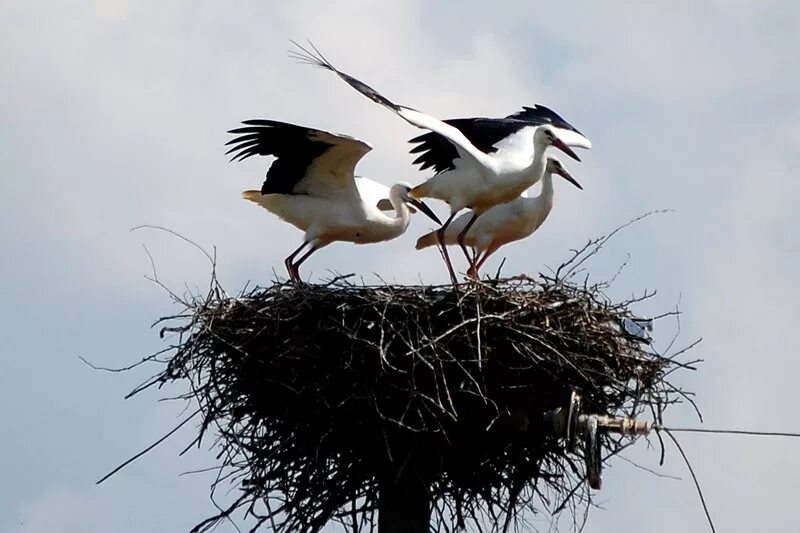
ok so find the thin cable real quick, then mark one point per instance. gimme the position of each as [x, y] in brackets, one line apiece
[732, 432]
[694, 477]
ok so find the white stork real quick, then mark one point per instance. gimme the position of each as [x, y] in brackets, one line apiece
[311, 185]
[503, 223]
[484, 162]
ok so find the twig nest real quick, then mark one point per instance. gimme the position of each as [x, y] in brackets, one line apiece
[318, 392]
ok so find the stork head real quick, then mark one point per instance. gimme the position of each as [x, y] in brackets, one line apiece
[548, 136]
[400, 191]
[554, 166]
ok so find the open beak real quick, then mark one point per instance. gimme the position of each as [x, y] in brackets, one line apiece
[558, 143]
[425, 209]
[567, 176]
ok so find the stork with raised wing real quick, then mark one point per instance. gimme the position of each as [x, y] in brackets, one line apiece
[503, 223]
[485, 162]
[311, 184]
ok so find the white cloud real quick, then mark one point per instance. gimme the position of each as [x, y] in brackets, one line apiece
[115, 115]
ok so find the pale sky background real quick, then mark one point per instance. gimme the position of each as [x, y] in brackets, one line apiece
[114, 113]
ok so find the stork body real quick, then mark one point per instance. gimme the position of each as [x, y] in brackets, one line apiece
[503, 223]
[312, 186]
[500, 181]
[503, 158]
[510, 137]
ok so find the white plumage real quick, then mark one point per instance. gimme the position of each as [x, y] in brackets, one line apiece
[478, 178]
[311, 185]
[503, 223]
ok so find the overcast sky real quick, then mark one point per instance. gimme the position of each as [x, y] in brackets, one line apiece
[113, 113]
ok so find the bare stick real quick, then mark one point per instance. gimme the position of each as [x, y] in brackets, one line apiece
[156, 443]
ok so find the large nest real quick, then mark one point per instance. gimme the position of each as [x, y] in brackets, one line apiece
[334, 402]
[320, 395]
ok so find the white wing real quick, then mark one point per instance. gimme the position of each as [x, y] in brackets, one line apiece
[539, 115]
[308, 161]
[377, 194]
[332, 172]
[520, 143]
[573, 138]
[464, 147]
[517, 145]
[374, 193]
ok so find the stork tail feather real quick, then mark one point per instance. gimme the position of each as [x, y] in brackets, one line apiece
[420, 191]
[253, 196]
[429, 239]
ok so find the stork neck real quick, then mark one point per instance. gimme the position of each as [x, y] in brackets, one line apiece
[402, 214]
[547, 187]
[539, 163]
[544, 200]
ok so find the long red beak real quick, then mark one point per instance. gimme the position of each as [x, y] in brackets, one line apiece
[567, 176]
[558, 143]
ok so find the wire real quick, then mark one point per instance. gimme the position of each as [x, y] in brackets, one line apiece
[691, 471]
[730, 432]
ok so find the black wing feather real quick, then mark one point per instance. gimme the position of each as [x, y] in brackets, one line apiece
[292, 146]
[437, 152]
[540, 114]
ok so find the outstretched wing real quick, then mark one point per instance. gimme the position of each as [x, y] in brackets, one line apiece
[377, 194]
[437, 152]
[512, 133]
[539, 115]
[461, 143]
[308, 161]
[374, 193]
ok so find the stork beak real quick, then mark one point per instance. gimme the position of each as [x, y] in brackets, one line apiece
[567, 176]
[558, 143]
[425, 209]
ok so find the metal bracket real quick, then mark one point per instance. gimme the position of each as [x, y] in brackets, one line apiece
[571, 424]
[592, 452]
[573, 420]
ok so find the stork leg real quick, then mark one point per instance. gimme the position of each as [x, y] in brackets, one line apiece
[462, 236]
[296, 265]
[290, 267]
[473, 268]
[473, 271]
[440, 237]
